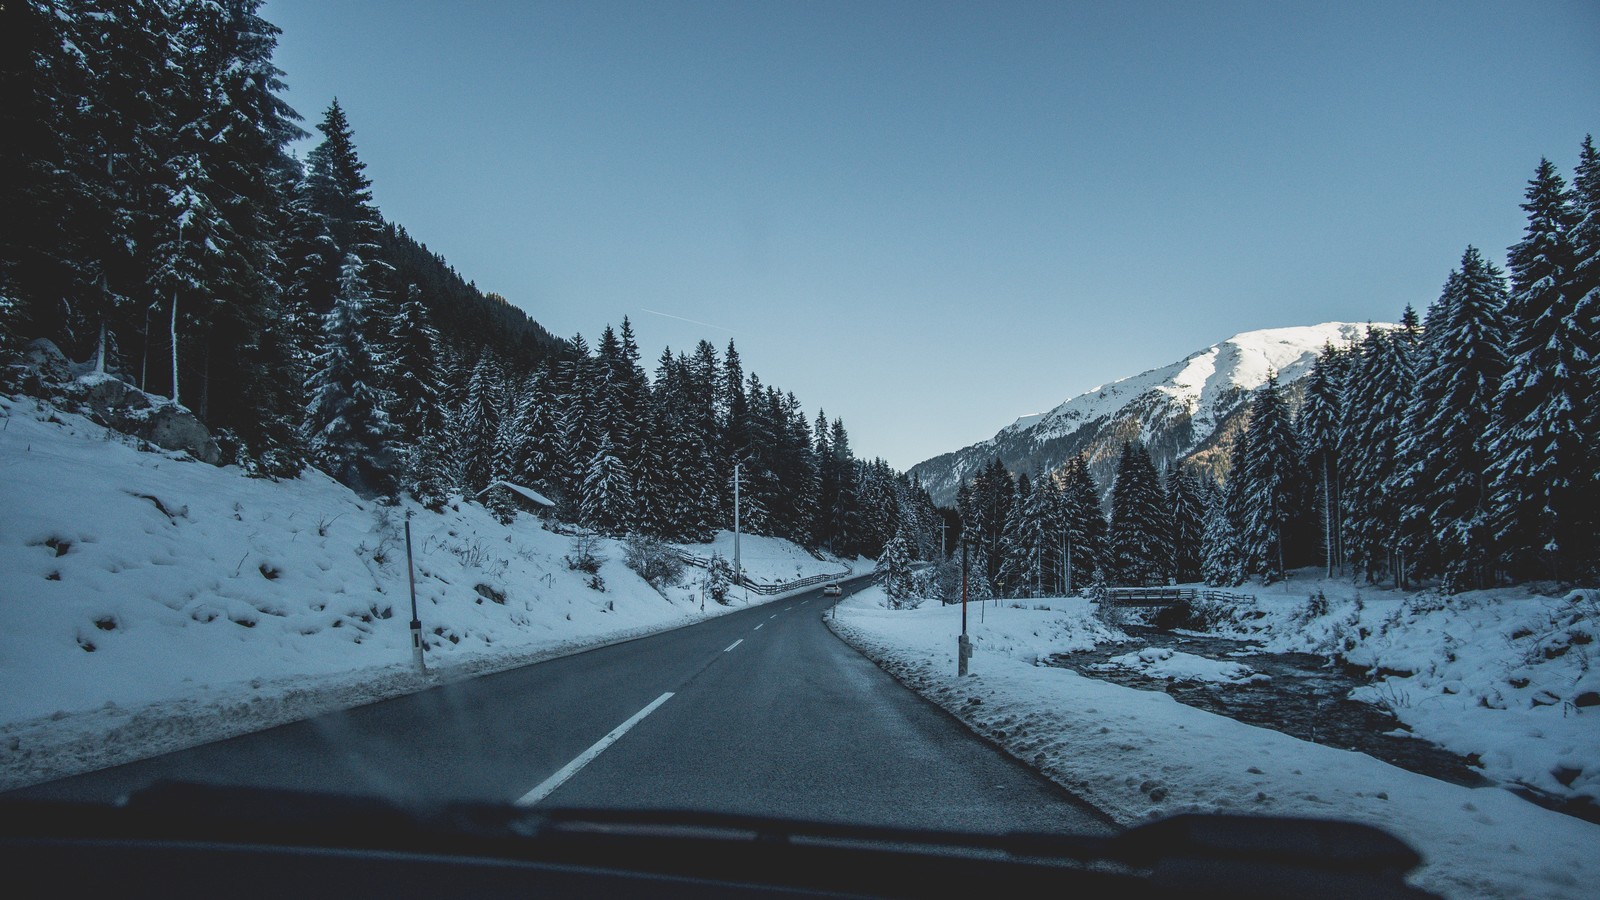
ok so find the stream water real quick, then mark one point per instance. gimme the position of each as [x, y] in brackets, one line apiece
[1305, 698]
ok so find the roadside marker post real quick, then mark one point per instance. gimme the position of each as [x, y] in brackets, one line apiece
[963, 644]
[416, 623]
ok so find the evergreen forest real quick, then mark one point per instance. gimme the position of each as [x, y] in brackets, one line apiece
[1454, 451]
[159, 225]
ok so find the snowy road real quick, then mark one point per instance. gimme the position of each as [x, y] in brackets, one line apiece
[761, 711]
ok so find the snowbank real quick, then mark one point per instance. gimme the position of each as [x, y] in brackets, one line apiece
[1164, 662]
[150, 602]
[1507, 677]
[1140, 754]
[772, 560]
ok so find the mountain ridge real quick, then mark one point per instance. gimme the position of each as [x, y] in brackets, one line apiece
[1176, 409]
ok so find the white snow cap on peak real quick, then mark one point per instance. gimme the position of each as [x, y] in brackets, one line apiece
[1195, 382]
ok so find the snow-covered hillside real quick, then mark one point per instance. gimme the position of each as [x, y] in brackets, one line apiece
[1173, 409]
[149, 601]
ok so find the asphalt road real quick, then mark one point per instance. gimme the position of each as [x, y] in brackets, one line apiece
[761, 711]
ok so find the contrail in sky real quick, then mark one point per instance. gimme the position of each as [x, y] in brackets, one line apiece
[690, 321]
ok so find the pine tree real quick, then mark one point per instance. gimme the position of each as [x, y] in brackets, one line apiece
[1378, 394]
[418, 404]
[1227, 559]
[239, 129]
[1320, 424]
[36, 187]
[1451, 417]
[1186, 534]
[189, 252]
[1085, 526]
[1540, 468]
[1274, 481]
[111, 148]
[606, 500]
[478, 425]
[1224, 560]
[1585, 287]
[894, 571]
[348, 427]
[340, 190]
[1138, 539]
[718, 580]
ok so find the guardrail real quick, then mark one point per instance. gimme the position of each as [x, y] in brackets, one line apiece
[1169, 596]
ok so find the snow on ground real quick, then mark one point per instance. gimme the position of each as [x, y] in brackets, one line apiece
[771, 560]
[1175, 665]
[1507, 676]
[149, 602]
[1140, 754]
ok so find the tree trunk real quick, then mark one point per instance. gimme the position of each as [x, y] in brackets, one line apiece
[144, 355]
[205, 377]
[173, 332]
[100, 350]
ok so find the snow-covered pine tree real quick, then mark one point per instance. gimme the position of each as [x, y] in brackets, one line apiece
[632, 388]
[418, 405]
[1585, 286]
[1319, 424]
[800, 477]
[1085, 525]
[1447, 432]
[1274, 482]
[845, 505]
[979, 586]
[1138, 545]
[341, 192]
[104, 83]
[606, 501]
[1227, 536]
[1018, 553]
[477, 425]
[1377, 396]
[1223, 563]
[348, 428]
[233, 121]
[894, 571]
[188, 254]
[577, 400]
[498, 500]
[1187, 508]
[1540, 469]
[718, 580]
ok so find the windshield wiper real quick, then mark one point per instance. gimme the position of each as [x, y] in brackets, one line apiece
[1187, 855]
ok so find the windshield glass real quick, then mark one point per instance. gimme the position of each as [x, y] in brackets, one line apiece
[380, 412]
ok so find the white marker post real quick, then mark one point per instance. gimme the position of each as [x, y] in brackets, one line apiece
[416, 623]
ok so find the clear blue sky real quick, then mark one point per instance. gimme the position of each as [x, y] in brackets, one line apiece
[932, 218]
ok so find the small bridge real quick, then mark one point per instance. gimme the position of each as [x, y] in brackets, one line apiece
[1161, 597]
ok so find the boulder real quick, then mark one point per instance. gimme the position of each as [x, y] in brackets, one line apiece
[44, 362]
[172, 427]
[115, 403]
[110, 398]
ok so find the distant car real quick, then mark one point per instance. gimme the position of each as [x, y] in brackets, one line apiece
[831, 589]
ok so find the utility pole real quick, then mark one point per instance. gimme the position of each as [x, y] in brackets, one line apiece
[416, 623]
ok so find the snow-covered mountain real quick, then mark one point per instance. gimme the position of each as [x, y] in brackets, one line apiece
[1178, 410]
